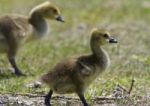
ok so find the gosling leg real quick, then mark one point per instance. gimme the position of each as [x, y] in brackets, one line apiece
[82, 98]
[14, 65]
[48, 98]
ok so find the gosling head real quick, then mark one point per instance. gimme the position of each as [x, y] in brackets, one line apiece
[102, 37]
[48, 11]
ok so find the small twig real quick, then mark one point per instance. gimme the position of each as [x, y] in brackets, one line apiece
[131, 87]
[107, 98]
[123, 88]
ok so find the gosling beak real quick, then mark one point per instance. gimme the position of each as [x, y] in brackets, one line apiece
[60, 18]
[112, 40]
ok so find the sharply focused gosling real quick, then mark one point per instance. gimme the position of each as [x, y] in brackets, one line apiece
[74, 75]
[15, 30]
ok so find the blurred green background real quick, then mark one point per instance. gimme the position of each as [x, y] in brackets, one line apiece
[126, 20]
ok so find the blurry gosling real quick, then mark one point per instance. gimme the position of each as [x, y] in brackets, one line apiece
[15, 29]
[74, 75]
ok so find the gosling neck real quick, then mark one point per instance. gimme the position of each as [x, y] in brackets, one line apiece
[39, 24]
[99, 54]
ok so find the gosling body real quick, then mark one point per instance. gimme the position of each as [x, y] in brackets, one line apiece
[74, 75]
[16, 30]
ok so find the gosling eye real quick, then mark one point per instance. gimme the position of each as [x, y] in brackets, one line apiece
[54, 11]
[106, 36]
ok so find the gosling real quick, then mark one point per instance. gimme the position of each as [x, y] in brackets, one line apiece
[16, 30]
[74, 75]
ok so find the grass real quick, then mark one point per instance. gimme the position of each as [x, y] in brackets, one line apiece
[127, 20]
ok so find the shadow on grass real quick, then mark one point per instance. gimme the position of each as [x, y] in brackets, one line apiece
[7, 76]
